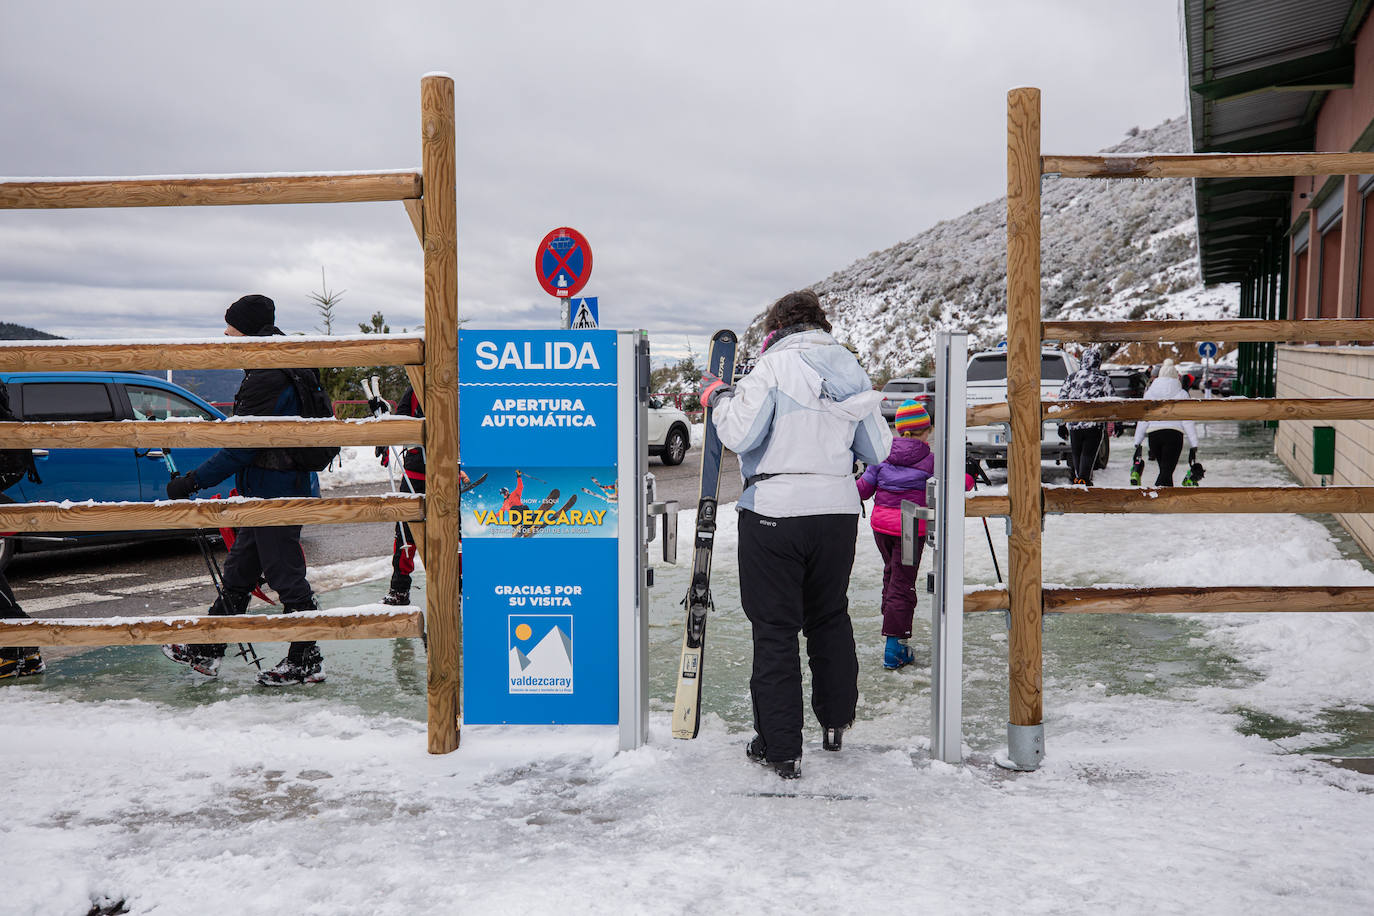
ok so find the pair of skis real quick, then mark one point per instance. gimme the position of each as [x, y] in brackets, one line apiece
[687, 702]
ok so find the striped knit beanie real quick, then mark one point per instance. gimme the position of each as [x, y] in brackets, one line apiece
[912, 416]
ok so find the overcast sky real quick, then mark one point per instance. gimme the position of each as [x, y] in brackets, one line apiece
[716, 153]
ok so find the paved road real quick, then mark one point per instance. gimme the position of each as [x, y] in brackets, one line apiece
[159, 577]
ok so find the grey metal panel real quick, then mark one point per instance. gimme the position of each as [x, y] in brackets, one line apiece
[1329, 211]
[1300, 237]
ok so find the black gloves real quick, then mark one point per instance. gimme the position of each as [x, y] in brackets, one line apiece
[1192, 455]
[378, 406]
[1138, 450]
[182, 487]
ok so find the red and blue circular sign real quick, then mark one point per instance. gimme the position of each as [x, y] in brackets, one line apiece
[563, 262]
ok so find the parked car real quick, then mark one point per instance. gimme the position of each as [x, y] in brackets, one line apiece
[668, 433]
[101, 474]
[1128, 382]
[900, 390]
[1221, 380]
[987, 384]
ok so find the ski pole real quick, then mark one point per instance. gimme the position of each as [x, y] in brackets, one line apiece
[983, 475]
[246, 650]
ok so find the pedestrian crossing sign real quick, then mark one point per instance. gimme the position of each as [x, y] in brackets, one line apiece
[584, 313]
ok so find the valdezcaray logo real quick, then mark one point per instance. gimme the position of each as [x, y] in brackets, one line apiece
[541, 653]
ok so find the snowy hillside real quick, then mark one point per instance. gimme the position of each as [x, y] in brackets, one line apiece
[1110, 249]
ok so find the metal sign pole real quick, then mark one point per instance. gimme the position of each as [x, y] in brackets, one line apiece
[946, 536]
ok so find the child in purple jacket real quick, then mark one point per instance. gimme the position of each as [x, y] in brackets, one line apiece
[902, 476]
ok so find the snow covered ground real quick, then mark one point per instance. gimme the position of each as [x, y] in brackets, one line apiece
[1180, 772]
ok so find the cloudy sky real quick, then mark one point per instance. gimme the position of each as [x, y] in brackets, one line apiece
[716, 153]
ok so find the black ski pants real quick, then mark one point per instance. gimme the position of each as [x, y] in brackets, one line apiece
[794, 577]
[275, 554]
[9, 610]
[1165, 446]
[1083, 446]
[9, 607]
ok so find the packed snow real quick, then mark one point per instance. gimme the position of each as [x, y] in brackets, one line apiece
[1187, 768]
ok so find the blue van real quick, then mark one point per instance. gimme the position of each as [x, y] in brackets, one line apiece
[101, 474]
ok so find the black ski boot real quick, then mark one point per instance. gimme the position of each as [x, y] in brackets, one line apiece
[205, 658]
[305, 666]
[303, 663]
[757, 751]
[21, 661]
[397, 598]
[832, 739]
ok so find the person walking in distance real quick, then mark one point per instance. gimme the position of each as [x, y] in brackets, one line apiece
[1165, 437]
[1085, 436]
[798, 421]
[275, 552]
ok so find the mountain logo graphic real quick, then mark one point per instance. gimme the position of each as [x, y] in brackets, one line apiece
[541, 653]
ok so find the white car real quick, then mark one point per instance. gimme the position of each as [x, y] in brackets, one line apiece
[668, 432]
[987, 384]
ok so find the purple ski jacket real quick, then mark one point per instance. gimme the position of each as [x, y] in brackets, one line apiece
[902, 476]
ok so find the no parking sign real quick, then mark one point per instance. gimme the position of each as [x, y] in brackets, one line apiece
[563, 262]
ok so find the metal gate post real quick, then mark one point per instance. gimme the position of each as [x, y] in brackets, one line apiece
[946, 536]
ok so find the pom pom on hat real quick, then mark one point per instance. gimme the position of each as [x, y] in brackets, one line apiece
[912, 416]
[1168, 370]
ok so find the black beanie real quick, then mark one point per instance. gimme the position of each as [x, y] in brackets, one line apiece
[251, 314]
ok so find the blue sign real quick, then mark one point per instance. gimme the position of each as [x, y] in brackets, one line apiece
[540, 533]
[1207, 350]
[584, 313]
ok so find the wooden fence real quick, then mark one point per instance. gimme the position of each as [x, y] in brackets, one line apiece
[431, 362]
[1027, 501]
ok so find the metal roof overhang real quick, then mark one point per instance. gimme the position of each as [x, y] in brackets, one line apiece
[1258, 72]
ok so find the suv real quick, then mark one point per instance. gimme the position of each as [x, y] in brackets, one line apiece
[900, 390]
[668, 433]
[102, 474]
[987, 384]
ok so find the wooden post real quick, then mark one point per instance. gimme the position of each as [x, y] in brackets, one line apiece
[1023, 396]
[443, 614]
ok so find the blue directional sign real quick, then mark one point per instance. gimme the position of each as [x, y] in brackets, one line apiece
[1207, 350]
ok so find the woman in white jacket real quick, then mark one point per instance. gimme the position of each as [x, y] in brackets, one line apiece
[798, 421]
[1165, 436]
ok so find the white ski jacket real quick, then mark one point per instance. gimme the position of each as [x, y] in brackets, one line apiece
[804, 413]
[1166, 389]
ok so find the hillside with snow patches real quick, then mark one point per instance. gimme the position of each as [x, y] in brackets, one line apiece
[1110, 249]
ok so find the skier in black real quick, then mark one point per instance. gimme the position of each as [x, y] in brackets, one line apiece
[15, 661]
[1085, 436]
[274, 553]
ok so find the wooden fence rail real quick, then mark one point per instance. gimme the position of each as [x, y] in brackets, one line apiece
[1208, 165]
[208, 190]
[261, 431]
[1192, 409]
[1185, 600]
[27, 518]
[236, 353]
[156, 631]
[1309, 330]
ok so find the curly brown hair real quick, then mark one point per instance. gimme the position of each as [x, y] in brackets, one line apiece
[801, 307]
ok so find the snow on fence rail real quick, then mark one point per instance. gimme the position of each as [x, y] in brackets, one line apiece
[1027, 501]
[431, 363]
